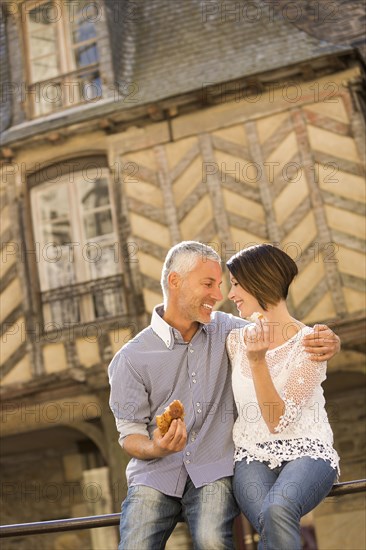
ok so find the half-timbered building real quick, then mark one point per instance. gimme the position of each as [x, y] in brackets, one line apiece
[128, 126]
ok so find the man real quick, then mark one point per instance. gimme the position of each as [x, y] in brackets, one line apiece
[182, 355]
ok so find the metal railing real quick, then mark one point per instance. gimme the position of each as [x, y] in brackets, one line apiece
[108, 520]
[101, 298]
[65, 90]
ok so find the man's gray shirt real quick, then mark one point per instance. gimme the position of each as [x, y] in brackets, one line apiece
[156, 367]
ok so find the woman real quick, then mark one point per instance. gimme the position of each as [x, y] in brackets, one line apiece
[285, 463]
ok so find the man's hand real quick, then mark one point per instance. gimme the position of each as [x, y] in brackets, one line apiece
[142, 447]
[322, 344]
[173, 441]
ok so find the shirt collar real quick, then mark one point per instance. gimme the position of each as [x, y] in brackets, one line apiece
[161, 327]
[166, 332]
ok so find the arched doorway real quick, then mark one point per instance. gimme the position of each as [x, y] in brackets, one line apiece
[55, 473]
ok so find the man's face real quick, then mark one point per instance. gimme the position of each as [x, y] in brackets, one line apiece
[199, 291]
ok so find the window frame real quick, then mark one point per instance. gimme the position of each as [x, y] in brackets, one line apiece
[65, 52]
[85, 282]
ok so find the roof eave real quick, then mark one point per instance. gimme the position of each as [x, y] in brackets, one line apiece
[110, 108]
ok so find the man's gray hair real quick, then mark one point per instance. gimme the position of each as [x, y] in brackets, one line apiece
[182, 258]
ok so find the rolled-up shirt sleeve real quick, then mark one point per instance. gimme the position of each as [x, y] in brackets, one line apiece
[129, 400]
[126, 428]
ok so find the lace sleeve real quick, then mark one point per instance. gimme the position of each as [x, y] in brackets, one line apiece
[230, 343]
[305, 376]
[233, 341]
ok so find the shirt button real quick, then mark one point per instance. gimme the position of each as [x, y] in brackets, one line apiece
[191, 350]
[188, 453]
[193, 374]
[194, 380]
[188, 461]
[198, 404]
[199, 410]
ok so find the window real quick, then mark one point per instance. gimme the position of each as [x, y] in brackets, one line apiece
[76, 247]
[62, 54]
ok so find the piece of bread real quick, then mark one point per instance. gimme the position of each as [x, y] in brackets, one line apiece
[256, 316]
[173, 411]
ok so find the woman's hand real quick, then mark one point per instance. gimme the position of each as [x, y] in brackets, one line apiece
[256, 339]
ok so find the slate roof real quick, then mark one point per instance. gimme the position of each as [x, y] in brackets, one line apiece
[173, 47]
[340, 21]
[170, 47]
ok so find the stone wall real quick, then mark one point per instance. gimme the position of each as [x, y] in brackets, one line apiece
[340, 521]
[33, 493]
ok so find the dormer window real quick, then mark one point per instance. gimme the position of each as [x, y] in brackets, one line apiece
[62, 53]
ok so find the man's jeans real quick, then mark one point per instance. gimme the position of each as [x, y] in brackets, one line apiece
[149, 517]
[275, 500]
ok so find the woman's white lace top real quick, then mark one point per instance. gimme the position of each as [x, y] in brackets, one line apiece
[304, 428]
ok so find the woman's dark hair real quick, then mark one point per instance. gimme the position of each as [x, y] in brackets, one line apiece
[264, 271]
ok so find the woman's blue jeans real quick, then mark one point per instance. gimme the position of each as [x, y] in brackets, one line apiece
[275, 500]
[149, 517]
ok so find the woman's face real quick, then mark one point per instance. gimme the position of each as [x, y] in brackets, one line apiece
[245, 302]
